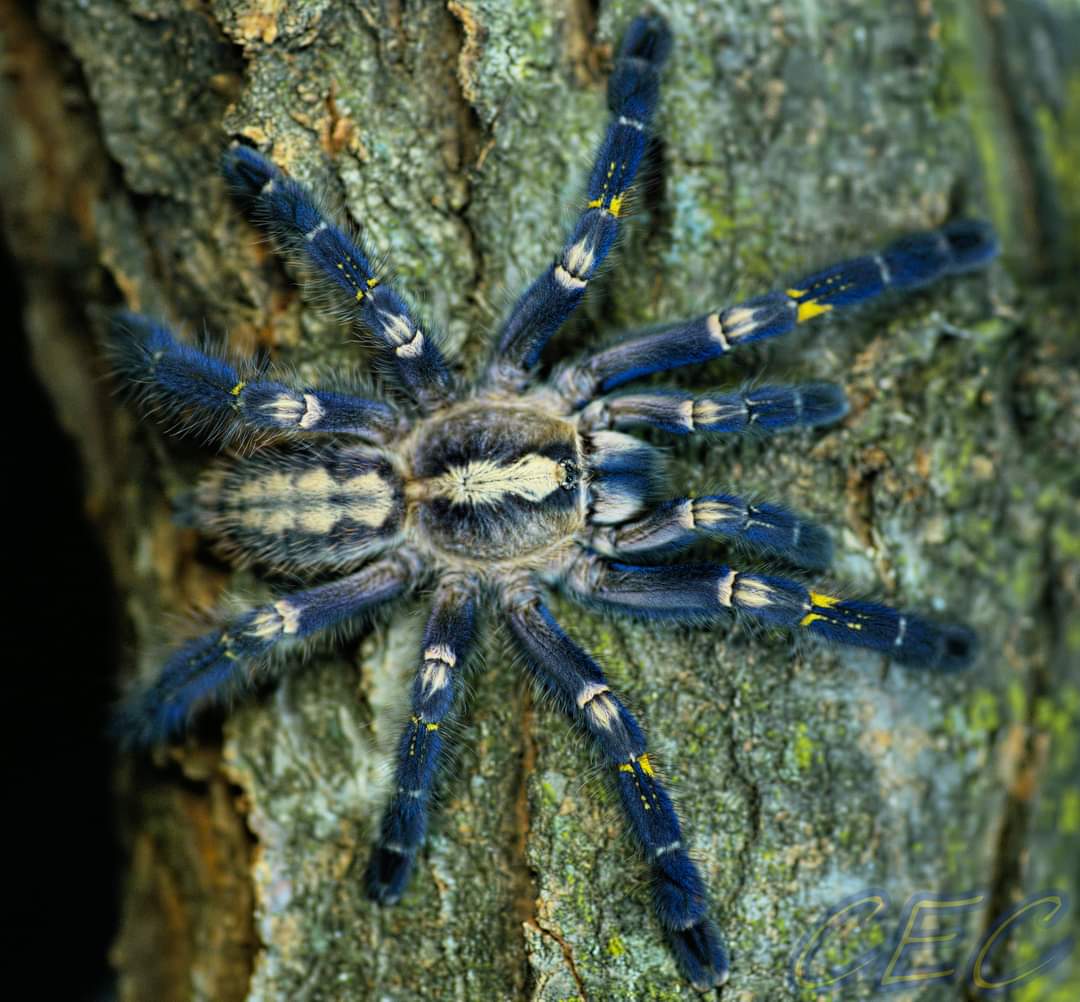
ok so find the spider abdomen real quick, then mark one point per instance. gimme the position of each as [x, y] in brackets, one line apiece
[302, 510]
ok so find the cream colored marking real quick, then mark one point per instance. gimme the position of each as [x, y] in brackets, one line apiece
[410, 793]
[568, 281]
[267, 188]
[708, 411]
[434, 675]
[283, 409]
[412, 349]
[315, 502]
[532, 477]
[901, 629]
[440, 652]
[266, 624]
[685, 517]
[290, 615]
[716, 330]
[313, 411]
[711, 513]
[610, 505]
[579, 258]
[754, 593]
[396, 327]
[394, 847]
[723, 590]
[603, 711]
[632, 122]
[796, 532]
[671, 847]
[686, 413]
[736, 319]
[316, 230]
[883, 268]
[590, 691]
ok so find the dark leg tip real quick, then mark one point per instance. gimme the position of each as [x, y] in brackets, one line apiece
[387, 874]
[648, 38]
[699, 950]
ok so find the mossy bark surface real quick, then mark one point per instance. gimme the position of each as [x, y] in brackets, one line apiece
[458, 135]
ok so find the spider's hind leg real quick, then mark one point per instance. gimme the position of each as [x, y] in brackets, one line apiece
[228, 401]
[578, 685]
[215, 668]
[447, 640]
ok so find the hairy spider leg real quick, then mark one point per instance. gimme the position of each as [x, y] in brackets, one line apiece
[765, 408]
[576, 683]
[700, 593]
[446, 645]
[633, 91]
[288, 210]
[227, 663]
[912, 261]
[225, 401]
[759, 525]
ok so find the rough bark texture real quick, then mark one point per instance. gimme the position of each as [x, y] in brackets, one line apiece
[792, 132]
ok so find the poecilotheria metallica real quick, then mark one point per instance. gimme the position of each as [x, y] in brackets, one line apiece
[490, 489]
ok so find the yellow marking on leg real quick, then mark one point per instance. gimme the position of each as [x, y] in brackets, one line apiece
[808, 310]
[238, 388]
[432, 727]
[616, 204]
[819, 601]
[646, 765]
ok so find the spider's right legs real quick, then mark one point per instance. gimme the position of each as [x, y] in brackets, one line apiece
[446, 645]
[576, 682]
[226, 402]
[216, 667]
[910, 262]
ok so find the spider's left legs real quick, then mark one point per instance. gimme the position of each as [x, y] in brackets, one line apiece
[633, 91]
[289, 211]
[227, 400]
[446, 645]
[910, 262]
[576, 682]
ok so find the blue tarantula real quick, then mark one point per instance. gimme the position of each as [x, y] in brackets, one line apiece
[493, 489]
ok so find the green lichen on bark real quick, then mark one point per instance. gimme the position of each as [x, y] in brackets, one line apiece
[457, 135]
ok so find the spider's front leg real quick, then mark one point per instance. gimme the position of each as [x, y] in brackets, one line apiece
[446, 645]
[912, 261]
[578, 685]
[633, 91]
[227, 663]
[696, 593]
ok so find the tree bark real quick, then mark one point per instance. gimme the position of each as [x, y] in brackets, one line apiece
[458, 134]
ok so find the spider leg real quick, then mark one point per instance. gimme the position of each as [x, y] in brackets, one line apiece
[768, 408]
[577, 684]
[228, 662]
[221, 399]
[633, 90]
[912, 261]
[447, 641]
[289, 211]
[679, 522]
[706, 592]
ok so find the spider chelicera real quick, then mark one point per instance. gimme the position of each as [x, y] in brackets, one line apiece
[490, 489]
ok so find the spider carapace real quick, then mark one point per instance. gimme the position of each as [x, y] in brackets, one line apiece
[495, 486]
